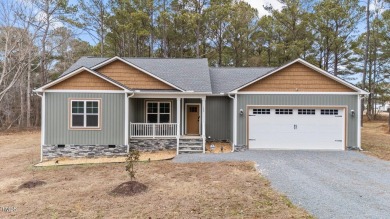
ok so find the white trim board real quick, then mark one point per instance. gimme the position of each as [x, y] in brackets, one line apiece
[358, 114]
[75, 72]
[295, 93]
[87, 91]
[115, 58]
[43, 122]
[143, 95]
[307, 64]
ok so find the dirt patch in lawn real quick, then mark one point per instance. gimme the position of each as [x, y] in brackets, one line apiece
[144, 156]
[219, 147]
[198, 190]
[129, 188]
[32, 184]
[376, 139]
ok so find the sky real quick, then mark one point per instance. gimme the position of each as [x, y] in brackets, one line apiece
[258, 4]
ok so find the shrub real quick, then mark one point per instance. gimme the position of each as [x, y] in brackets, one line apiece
[132, 157]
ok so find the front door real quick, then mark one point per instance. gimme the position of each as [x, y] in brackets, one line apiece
[193, 117]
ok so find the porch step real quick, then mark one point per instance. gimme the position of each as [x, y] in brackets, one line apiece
[189, 151]
[190, 145]
[191, 140]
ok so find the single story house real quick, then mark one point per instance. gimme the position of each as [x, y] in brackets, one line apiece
[103, 106]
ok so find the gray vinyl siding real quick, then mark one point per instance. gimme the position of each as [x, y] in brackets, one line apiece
[300, 99]
[137, 109]
[57, 119]
[218, 118]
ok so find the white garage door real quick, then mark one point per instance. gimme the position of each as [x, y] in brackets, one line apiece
[292, 128]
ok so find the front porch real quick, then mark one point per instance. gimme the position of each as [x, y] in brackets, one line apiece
[167, 123]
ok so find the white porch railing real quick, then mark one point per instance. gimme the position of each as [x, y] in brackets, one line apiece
[153, 130]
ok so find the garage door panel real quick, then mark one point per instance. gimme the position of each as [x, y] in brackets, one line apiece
[315, 130]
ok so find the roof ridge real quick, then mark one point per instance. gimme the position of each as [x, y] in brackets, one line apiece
[124, 57]
[232, 67]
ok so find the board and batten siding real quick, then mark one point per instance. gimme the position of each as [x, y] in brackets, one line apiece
[218, 118]
[350, 101]
[112, 121]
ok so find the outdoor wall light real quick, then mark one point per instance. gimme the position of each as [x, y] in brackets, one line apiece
[241, 112]
[352, 112]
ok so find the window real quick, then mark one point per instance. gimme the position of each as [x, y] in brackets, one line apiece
[261, 111]
[306, 111]
[193, 109]
[329, 112]
[284, 111]
[85, 114]
[158, 112]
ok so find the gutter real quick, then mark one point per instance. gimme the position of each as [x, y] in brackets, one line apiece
[127, 122]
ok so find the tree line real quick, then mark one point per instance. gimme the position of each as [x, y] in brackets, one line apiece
[42, 38]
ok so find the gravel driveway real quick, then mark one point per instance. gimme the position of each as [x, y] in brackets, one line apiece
[329, 184]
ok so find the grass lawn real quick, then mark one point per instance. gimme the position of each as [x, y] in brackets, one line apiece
[376, 138]
[203, 190]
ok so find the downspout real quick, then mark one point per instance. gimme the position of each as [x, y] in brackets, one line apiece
[127, 120]
[234, 120]
[359, 125]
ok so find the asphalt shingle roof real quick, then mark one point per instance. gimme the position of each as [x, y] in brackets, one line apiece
[224, 80]
[187, 74]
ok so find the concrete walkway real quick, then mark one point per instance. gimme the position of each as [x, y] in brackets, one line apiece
[329, 184]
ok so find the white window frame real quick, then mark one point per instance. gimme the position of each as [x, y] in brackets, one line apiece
[158, 110]
[84, 114]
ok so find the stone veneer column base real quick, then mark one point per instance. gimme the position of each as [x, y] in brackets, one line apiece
[240, 148]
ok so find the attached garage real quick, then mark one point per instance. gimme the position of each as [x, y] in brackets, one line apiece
[299, 128]
[297, 107]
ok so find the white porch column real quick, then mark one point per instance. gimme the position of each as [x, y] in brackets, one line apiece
[182, 117]
[234, 121]
[127, 122]
[358, 114]
[204, 123]
[178, 101]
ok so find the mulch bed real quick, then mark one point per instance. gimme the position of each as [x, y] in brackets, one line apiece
[32, 184]
[129, 188]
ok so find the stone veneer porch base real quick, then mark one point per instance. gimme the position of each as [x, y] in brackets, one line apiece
[50, 152]
[153, 144]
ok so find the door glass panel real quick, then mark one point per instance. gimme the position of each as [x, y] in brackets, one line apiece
[193, 109]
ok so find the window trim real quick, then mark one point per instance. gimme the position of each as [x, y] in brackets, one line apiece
[99, 114]
[158, 110]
